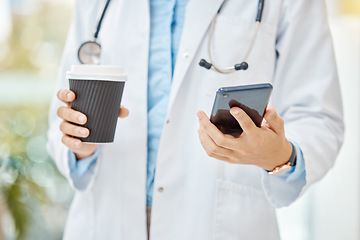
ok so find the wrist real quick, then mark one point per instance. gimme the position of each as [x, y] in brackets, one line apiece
[283, 157]
[286, 167]
[287, 152]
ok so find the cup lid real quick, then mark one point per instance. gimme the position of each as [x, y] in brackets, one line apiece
[96, 72]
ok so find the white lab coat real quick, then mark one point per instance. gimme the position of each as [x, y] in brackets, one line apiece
[203, 198]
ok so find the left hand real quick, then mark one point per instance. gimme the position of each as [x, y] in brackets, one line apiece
[265, 147]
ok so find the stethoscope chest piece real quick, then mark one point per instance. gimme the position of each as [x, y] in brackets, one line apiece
[89, 53]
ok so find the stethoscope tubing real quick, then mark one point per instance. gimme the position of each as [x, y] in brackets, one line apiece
[98, 27]
[211, 30]
[231, 69]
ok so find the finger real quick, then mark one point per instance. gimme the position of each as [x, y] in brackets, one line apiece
[218, 157]
[71, 115]
[211, 148]
[216, 135]
[265, 124]
[274, 121]
[243, 119]
[72, 143]
[124, 112]
[65, 95]
[81, 149]
[74, 130]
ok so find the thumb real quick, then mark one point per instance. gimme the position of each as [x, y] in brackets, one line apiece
[275, 122]
[243, 119]
[124, 112]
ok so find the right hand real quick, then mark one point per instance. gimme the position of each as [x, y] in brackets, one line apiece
[70, 130]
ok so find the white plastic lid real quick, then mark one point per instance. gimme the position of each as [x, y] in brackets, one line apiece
[96, 72]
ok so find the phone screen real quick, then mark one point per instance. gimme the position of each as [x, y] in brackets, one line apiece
[252, 99]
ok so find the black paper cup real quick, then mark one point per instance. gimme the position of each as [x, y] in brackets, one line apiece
[98, 91]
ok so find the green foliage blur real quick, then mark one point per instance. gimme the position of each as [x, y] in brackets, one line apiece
[36, 34]
[34, 197]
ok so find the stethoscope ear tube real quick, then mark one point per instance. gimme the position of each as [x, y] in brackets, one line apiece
[237, 67]
[205, 64]
[241, 66]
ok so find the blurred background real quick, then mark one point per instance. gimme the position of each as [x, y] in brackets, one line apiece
[34, 197]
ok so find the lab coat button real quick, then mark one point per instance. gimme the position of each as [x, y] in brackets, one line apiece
[185, 55]
[160, 189]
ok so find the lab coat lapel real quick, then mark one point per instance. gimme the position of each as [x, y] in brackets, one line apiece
[199, 14]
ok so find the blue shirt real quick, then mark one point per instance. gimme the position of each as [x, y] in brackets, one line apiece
[166, 24]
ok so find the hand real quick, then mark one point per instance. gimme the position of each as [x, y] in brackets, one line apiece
[70, 130]
[266, 147]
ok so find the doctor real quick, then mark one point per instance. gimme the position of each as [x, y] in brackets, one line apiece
[168, 162]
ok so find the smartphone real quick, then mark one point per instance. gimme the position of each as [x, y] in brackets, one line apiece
[253, 99]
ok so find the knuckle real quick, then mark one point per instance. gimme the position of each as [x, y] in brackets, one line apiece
[77, 144]
[73, 129]
[221, 141]
[273, 116]
[59, 111]
[63, 139]
[245, 125]
[62, 126]
[213, 149]
[202, 144]
[73, 116]
[74, 143]
[62, 112]
[210, 154]
[236, 159]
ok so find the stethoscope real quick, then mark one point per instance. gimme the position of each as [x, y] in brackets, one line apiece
[239, 66]
[89, 52]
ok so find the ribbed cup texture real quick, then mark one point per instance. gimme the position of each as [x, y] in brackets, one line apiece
[100, 101]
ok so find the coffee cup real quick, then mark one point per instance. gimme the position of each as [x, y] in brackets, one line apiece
[98, 90]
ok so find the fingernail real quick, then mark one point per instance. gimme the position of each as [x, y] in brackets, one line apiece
[235, 111]
[81, 118]
[200, 115]
[68, 95]
[83, 132]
